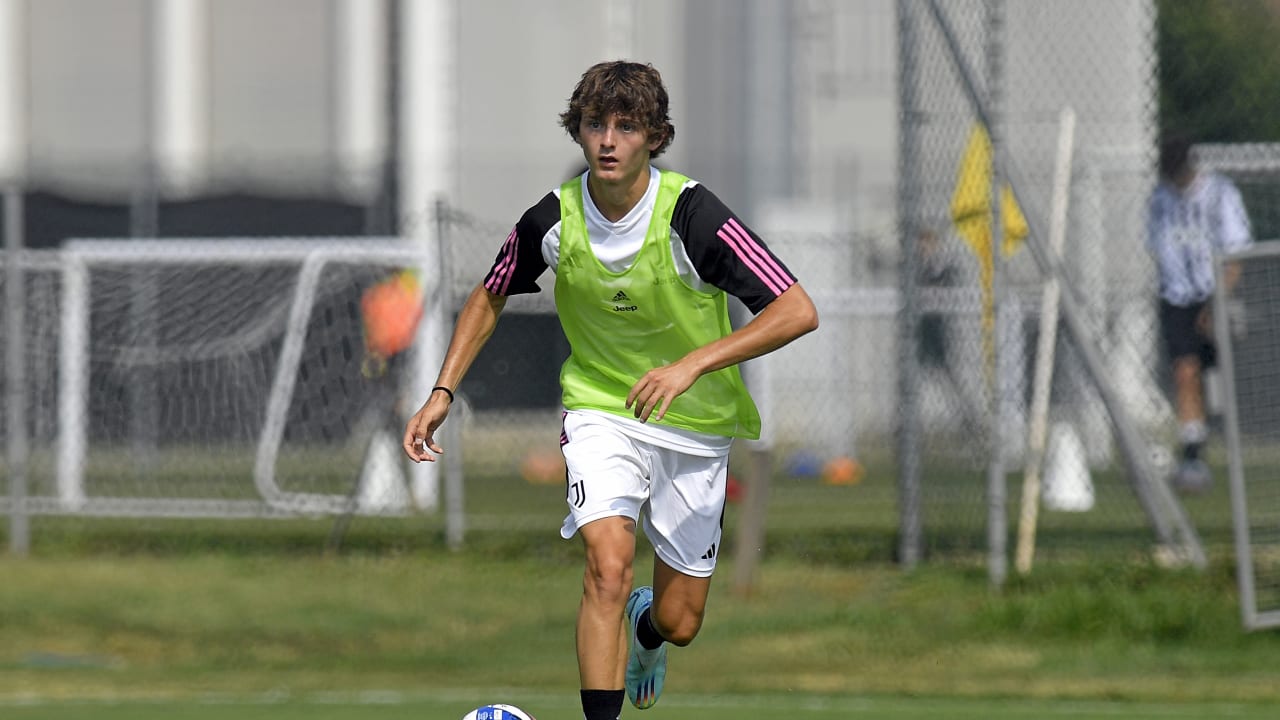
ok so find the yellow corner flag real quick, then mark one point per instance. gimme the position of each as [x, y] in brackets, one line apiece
[971, 202]
[971, 213]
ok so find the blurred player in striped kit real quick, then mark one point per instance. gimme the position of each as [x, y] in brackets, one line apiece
[1193, 216]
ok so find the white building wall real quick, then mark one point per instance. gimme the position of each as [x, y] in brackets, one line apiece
[272, 70]
[272, 78]
[86, 107]
[814, 78]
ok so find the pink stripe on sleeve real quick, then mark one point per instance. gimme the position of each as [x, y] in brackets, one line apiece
[500, 279]
[754, 256]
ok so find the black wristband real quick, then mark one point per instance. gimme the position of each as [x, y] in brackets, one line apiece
[446, 390]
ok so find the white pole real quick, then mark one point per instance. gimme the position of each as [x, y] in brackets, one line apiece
[13, 90]
[1038, 427]
[181, 86]
[427, 110]
[13, 155]
[359, 98]
[285, 380]
[73, 377]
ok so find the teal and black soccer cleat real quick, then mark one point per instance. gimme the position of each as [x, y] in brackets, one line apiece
[646, 669]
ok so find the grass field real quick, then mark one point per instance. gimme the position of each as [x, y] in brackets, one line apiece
[214, 620]
[269, 627]
[392, 706]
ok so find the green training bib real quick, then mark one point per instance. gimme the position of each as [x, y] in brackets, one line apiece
[621, 325]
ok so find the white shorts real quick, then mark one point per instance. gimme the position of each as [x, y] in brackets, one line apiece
[682, 496]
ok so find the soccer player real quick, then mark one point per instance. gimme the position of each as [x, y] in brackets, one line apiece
[643, 260]
[1193, 215]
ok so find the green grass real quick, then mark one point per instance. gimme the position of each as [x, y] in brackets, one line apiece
[217, 619]
[675, 706]
[396, 626]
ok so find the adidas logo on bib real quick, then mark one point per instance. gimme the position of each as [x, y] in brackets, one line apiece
[622, 303]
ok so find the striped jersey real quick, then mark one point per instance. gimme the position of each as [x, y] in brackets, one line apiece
[1186, 228]
[712, 249]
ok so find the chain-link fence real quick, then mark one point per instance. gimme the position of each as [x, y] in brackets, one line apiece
[1069, 436]
[999, 101]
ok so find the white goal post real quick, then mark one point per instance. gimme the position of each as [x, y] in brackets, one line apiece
[309, 259]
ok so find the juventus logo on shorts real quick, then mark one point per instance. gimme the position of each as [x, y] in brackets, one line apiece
[577, 494]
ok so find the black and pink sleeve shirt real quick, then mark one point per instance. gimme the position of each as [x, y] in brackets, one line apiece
[715, 247]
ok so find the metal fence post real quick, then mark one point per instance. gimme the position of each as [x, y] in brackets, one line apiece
[908, 446]
[997, 522]
[15, 381]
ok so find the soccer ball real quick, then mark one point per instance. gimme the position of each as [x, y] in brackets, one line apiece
[498, 712]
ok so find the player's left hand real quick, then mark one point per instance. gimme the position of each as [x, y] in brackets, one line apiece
[654, 392]
[419, 434]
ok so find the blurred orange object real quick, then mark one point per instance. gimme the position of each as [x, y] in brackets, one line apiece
[842, 471]
[391, 311]
[543, 467]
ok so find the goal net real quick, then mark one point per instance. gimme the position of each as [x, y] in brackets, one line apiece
[1247, 326]
[214, 378]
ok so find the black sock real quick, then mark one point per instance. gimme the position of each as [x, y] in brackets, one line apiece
[1191, 451]
[648, 637]
[602, 704]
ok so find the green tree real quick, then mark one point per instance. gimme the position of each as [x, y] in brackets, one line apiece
[1219, 69]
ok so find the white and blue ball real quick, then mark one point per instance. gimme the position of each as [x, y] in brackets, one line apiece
[498, 712]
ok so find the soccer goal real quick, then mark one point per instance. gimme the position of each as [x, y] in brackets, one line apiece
[1247, 331]
[1247, 327]
[220, 378]
[1247, 324]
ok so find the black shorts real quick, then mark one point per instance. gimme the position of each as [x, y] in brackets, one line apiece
[1182, 337]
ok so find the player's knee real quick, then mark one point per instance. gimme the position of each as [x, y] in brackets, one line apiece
[610, 550]
[608, 578]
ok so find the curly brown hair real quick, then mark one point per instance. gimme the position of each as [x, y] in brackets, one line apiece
[633, 91]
